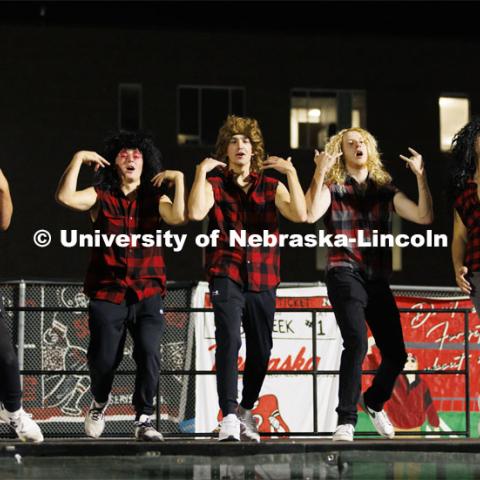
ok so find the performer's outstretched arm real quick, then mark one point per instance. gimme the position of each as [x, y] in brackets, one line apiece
[291, 201]
[201, 200]
[318, 196]
[172, 212]
[6, 207]
[421, 212]
[67, 193]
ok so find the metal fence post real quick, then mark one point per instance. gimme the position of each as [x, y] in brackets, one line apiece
[21, 328]
[314, 371]
[467, 375]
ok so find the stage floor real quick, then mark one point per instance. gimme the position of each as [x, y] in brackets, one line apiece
[120, 459]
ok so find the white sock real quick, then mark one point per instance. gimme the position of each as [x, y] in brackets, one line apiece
[14, 414]
[144, 418]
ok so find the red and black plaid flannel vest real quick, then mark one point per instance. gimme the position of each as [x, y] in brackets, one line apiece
[467, 205]
[354, 208]
[114, 269]
[254, 268]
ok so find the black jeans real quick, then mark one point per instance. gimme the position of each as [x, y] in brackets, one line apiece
[234, 307]
[108, 324]
[357, 301]
[10, 390]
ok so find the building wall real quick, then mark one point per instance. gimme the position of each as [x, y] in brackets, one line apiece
[59, 95]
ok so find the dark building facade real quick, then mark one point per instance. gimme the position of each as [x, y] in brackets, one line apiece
[67, 81]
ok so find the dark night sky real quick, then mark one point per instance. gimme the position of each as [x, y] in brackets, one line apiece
[339, 16]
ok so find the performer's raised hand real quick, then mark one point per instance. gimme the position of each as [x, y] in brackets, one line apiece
[170, 176]
[279, 164]
[414, 162]
[325, 161]
[462, 282]
[92, 159]
[208, 164]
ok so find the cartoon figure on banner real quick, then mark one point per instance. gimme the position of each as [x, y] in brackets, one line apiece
[79, 300]
[266, 414]
[7, 301]
[411, 402]
[64, 391]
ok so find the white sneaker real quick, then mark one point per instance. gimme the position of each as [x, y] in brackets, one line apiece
[26, 429]
[144, 430]
[229, 429]
[248, 425]
[95, 420]
[380, 421]
[344, 433]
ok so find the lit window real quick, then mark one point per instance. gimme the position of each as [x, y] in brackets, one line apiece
[454, 114]
[316, 115]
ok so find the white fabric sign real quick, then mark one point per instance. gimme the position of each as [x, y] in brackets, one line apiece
[286, 401]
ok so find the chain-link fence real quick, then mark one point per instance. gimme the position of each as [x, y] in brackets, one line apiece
[52, 336]
[57, 340]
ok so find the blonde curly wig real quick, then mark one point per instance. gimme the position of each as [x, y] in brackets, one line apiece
[376, 169]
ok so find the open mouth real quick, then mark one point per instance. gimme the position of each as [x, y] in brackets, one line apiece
[131, 168]
[359, 154]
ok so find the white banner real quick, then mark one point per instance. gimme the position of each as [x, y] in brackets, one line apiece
[286, 401]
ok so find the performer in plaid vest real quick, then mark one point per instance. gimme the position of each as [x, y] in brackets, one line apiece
[354, 193]
[464, 177]
[125, 282]
[11, 411]
[237, 194]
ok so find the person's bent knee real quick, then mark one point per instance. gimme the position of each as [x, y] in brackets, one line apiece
[101, 366]
[228, 340]
[357, 344]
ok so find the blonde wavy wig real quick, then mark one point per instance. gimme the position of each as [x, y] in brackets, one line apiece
[376, 169]
[241, 126]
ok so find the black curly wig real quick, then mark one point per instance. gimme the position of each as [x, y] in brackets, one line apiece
[463, 157]
[152, 158]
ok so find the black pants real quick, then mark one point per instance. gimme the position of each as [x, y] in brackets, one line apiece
[10, 390]
[234, 307]
[357, 301]
[108, 324]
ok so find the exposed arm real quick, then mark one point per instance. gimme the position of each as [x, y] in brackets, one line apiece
[291, 201]
[459, 243]
[290, 210]
[318, 196]
[421, 212]
[172, 212]
[6, 206]
[67, 193]
[201, 199]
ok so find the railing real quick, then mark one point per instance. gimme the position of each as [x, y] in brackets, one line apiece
[314, 372]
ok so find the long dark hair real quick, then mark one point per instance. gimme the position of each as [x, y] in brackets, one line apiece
[463, 157]
[152, 158]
